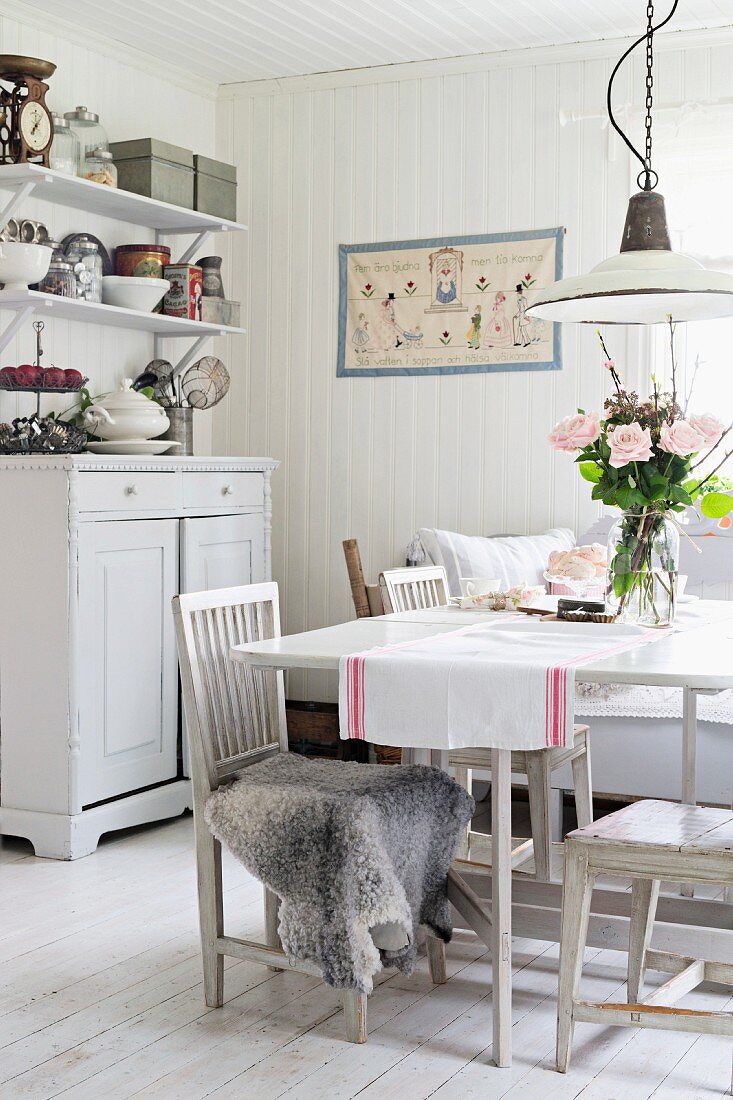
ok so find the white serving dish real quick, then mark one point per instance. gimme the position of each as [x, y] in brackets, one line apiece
[133, 446]
[130, 292]
[125, 415]
[21, 264]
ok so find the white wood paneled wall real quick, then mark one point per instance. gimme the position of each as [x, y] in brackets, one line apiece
[133, 100]
[419, 151]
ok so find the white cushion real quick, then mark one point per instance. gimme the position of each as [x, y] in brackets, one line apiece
[514, 559]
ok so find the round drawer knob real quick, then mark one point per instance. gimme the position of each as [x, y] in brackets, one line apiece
[228, 490]
[131, 490]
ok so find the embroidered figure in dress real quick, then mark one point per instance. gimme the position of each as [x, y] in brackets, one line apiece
[498, 332]
[520, 323]
[446, 269]
[360, 339]
[474, 333]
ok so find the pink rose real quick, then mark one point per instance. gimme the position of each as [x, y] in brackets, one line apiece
[575, 432]
[709, 427]
[680, 438]
[629, 443]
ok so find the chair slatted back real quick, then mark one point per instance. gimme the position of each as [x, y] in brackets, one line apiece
[414, 588]
[235, 713]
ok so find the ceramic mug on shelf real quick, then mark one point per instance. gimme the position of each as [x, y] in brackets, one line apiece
[478, 586]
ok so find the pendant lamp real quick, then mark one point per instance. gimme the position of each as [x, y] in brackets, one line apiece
[646, 282]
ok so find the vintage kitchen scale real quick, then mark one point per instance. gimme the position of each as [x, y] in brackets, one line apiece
[26, 129]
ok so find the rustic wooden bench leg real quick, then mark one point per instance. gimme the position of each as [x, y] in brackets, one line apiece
[577, 893]
[583, 783]
[538, 787]
[644, 895]
[355, 1012]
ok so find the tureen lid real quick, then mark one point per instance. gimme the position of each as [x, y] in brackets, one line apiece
[127, 399]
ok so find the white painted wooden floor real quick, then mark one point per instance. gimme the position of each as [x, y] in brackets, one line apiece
[101, 999]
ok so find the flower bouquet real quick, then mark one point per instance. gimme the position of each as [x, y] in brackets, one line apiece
[643, 456]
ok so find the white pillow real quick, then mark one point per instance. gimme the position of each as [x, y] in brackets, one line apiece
[513, 559]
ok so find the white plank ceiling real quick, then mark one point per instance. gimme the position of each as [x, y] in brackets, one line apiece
[223, 41]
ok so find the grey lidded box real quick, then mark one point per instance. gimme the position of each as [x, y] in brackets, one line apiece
[154, 168]
[215, 187]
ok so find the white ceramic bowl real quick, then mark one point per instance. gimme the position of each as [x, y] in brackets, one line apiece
[130, 292]
[21, 264]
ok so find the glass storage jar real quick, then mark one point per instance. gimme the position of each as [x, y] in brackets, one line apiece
[59, 279]
[64, 155]
[99, 168]
[89, 133]
[87, 264]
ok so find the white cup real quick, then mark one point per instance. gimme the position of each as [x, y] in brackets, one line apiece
[478, 586]
[681, 583]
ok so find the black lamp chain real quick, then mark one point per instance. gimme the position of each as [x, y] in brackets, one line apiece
[648, 175]
[649, 95]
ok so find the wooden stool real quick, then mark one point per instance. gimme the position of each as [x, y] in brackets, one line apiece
[648, 841]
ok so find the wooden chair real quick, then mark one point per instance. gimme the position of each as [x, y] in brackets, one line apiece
[236, 717]
[649, 841]
[414, 588]
[422, 587]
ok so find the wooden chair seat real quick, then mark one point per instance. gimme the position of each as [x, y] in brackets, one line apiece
[649, 840]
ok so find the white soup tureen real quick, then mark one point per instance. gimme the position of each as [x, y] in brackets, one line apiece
[125, 414]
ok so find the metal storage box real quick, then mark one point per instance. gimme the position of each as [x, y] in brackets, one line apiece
[215, 187]
[154, 168]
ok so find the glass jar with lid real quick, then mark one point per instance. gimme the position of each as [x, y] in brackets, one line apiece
[60, 278]
[99, 168]
[89, 133]
[64, 155]
[87, 265]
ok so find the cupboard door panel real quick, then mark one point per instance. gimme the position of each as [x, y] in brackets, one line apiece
[128, 684]
[221, 552]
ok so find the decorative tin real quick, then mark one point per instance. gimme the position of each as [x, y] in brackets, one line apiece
[220, 311]
[186, 291]
[142, 260]
[215, 187]
[155, 168]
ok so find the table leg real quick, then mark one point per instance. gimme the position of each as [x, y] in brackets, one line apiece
[689, 761]
[501, 903]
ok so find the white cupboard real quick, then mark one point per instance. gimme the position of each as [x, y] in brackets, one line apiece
[92, 550]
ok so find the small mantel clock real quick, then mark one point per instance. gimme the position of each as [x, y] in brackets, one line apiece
[26, 129]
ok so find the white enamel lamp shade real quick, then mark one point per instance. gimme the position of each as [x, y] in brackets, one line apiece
[642, 288]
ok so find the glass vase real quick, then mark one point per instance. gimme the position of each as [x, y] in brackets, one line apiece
[643, 557]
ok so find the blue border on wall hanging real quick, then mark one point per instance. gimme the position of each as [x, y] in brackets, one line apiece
[439, 243]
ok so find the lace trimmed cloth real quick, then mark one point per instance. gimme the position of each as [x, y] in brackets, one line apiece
[637, 701]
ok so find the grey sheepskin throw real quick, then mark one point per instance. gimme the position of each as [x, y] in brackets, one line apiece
[348, 848]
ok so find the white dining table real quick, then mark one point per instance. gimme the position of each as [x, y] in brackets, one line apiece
[695, 655]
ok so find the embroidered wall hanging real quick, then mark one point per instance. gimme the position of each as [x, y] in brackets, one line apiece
[452, 305]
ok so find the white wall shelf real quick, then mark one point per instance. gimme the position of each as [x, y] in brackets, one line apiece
[24, 180]
[107, 202]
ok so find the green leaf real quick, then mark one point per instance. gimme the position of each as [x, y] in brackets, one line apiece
[716, 505]
[591, 471]
[691, 486]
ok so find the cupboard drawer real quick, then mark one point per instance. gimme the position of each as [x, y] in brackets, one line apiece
[135, 491]
[221, 490]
